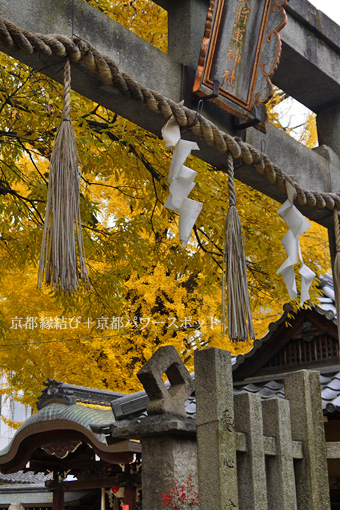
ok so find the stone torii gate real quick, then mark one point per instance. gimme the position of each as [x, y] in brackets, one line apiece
[309, 72]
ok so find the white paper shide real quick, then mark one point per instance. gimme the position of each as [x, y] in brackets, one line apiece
[298, 225]
[181, 180]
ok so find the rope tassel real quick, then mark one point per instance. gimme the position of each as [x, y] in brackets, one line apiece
[240, 324]
[62, 237]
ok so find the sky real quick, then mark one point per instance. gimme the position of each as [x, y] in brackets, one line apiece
[329, 7]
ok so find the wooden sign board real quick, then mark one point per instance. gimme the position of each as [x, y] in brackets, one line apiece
[240, 52]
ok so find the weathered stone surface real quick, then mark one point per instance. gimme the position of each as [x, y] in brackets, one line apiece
[303, 391]
[280, 467]
[216, 438]
[251, 465]
[310, 42]
[151, 426]
[328, 124]
[166, 462]
[186, 21]
[132, 54]
[162, 400]
[168, 442]
[309, 168]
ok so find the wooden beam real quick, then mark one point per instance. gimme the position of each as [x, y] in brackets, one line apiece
[96, 483]
[130, 497]
[58, 500]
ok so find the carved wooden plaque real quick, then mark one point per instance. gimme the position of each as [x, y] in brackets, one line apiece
[241, 50]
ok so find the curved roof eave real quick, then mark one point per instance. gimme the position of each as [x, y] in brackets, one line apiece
[44, 425]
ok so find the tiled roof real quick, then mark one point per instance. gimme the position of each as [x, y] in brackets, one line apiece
[327, 301]
[23, 478]
[326, 307]
[330, 385]
[92, 395]
[74, 414]
[330, 394]
[266, 390]
[70, 393]
[273, 326]
[330, 391]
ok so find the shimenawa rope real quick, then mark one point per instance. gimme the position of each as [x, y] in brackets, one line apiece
[79, 51]
[82, 52]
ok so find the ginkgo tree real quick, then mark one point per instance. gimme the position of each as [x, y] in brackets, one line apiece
[147, 290]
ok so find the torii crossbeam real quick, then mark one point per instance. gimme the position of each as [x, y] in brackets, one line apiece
[311, 48]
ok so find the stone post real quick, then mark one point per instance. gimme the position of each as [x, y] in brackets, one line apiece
[216, 439]
[186, 20]
[167, 460]
[303, 391]
[251, 464]
[167, 435]
[280, 467]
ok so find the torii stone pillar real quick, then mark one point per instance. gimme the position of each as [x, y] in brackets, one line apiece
[328, 127]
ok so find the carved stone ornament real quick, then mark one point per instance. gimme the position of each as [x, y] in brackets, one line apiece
[241, 50]
[162, 400]
[55, 392]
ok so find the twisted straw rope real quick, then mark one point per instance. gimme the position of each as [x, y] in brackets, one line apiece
[82, 52]
[231, 182]
[67, 91]
[336, 230]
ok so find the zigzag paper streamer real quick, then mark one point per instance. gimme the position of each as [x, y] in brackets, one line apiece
[181, 180]
[298, 225]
